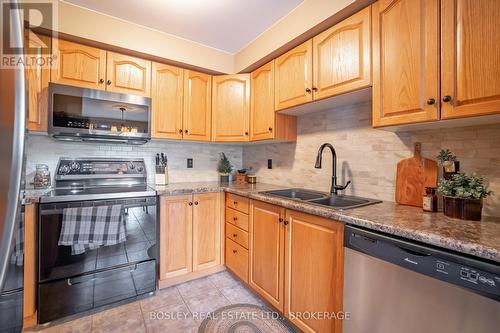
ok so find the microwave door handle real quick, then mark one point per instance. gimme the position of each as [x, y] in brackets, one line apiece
[18, 132]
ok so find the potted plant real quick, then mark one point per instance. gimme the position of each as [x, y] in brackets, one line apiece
[449, 163]
[224, 168]
[463, 196]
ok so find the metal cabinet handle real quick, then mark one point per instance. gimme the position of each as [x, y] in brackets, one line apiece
[196, 202]
[101, 80]
[308, 90]
[235, 203]
[270, 129]
[246, 133]
[108, 82]
[431, 101]
[447, 99]
[280, 220]
[186, 131]
[180, 131]
[235, 218]
[285, 222]
[190, 204]
[235, 235]
[315, 89]
[234, 251]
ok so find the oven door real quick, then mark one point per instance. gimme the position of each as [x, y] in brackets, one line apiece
[63, 261]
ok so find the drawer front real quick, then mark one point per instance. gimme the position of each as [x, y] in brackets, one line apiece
[237, 259]
[236, 234]
[237, 202]
[237, 218]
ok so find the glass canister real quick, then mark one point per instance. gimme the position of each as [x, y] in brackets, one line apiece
[42, 176]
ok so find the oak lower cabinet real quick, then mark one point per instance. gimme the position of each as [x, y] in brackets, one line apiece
[190, 237]
[265, 123]
[231, 107]
[267, 246]
[314, 264]
[237, 227]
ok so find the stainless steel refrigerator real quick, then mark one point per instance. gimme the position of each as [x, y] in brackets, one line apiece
[12, 135]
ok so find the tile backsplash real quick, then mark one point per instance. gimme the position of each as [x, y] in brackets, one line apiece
[368, 156]
[45, 150]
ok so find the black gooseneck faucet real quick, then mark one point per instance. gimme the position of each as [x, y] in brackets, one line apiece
[335, 188]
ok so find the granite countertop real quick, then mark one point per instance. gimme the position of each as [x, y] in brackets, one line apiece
[480, 239]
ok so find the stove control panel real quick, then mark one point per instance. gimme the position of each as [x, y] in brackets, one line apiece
[102, 167]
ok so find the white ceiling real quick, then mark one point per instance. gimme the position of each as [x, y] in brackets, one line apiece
[227, 25]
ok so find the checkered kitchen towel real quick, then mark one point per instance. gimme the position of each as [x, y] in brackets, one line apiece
[88, 228]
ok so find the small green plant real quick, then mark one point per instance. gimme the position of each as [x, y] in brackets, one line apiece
[224, 166]
[464, 187]
[445, 156]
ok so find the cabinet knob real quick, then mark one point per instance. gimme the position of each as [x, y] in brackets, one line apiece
[234, 251]
[431, 101]
[180, 131]
[447, 99]
[108, 82]
[246, 133]
[235, 235]
[280, 220]
[185, 131]
[270, 129]
[285, 222]
[235, 203]
[308, 90]
[235, 218]
[315, 89]
[101, 80]
[196, 202]
[190, 204]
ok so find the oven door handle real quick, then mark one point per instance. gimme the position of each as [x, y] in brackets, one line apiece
[70, 282]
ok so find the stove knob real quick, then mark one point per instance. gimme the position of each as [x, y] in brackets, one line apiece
[131, 166]
[140, 168]
[63, 169]
[74, 166]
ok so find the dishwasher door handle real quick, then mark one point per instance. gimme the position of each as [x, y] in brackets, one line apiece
[414, 253]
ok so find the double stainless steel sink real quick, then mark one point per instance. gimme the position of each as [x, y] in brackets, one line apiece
[322, 199]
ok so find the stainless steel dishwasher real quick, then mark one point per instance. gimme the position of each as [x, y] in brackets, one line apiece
[394, 285]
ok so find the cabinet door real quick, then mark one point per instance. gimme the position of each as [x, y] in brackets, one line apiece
[37, 81]
[342, 56]
[176, 257]
[293, 77]
[470, 74]
[262, 103]
[314, 254]
[197, 118]
[78, 65]
[206, 231]
[405, 61]
[267, 252]
[230, 107]
[129, 75]
[167, 100]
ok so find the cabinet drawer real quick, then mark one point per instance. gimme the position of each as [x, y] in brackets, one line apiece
[237, 259]
[237, 235]
[237, 218]
[237, 202]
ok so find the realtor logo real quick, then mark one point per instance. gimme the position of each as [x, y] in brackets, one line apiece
[39, 16]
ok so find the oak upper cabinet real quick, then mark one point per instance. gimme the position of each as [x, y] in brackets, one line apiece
[405, 61]
[78, 65]
[230, 107]
[314, 254]
[176, 236]
[197, 116]
[190, 237]
[470, 59]
[293, 77]
[126, 74]
[342, 56]
[167, 101]
[265, 123]
[206, 231]
[267, 241]
[37, 81]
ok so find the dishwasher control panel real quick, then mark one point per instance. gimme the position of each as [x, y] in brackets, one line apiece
[478, 276]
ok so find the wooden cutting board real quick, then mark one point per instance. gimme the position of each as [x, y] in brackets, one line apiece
[413, 175]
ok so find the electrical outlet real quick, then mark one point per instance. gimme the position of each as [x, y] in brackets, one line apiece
[270, 163]
[190, 163]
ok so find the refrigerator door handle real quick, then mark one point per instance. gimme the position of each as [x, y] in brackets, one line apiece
[18, 131]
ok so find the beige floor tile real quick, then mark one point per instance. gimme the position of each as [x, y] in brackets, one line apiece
[162, 298]
[171, 319]
[224, 279]
[196, 287]
[240, 295]
[202, 305]
[81, 325]
[126, 319]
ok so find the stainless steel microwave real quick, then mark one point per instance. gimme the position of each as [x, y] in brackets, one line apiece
[80, 114]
